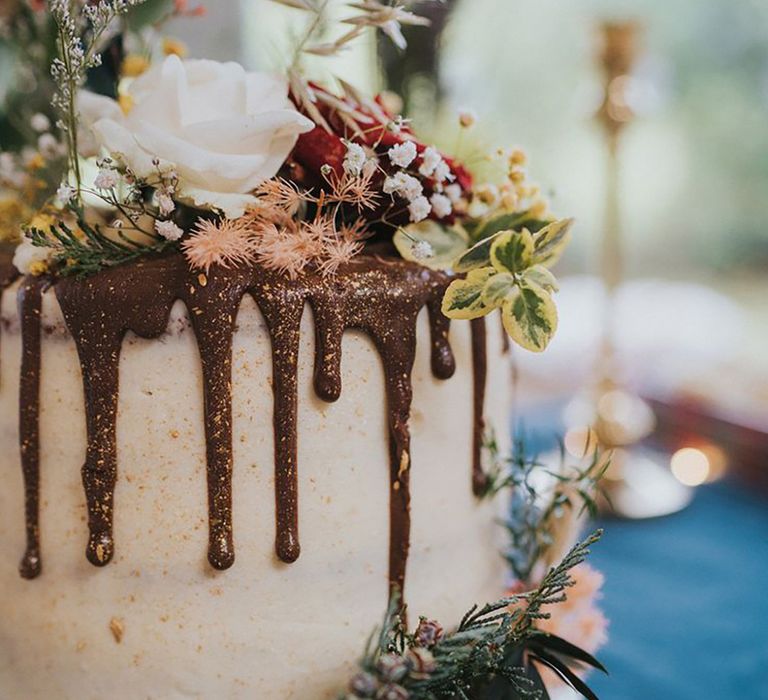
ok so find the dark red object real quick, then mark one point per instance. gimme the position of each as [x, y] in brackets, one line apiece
[321, 147]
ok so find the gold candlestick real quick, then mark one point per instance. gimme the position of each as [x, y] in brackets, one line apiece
[637, 483]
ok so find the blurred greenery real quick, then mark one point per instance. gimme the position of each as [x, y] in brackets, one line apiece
[695, 160]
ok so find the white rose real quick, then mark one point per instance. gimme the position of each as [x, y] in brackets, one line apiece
[223, 130]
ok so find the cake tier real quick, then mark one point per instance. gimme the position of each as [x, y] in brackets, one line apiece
[268, 588]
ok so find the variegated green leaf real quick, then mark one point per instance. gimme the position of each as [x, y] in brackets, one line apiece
[504, 222]
[447, 243]
[498, 288]
[540, 275]
[530, 317]
[479, 255]
[551, 241]
[512, 251]
[464, 298]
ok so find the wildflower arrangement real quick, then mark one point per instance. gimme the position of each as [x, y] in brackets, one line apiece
[135, 151]
[541, 634]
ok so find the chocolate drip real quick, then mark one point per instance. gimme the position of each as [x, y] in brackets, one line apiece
[443, 362]
[99, 312]
[380, 297]
[30, 305]
[214, 323]
[397, 372]
[479, 372]
[283, 316]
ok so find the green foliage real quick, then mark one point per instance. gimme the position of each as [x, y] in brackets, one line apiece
[489, 656]
[533, 517]
[508, 271]
[464, 298]
[529, 315]
[89, 250]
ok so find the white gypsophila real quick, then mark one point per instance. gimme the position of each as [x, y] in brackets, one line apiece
[422, 250]
[168, 230]
[40, 123]
[430, 159]
[355, 159]
[443, 172]
[403, 184]
[224, 130]
[65, 193]
[27, 254]
[106, 180]
[419, 209]
[454, 193]
[403, 154]
[165, 203]
[441, 205]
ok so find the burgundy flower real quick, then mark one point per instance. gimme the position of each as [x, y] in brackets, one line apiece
[364, 685]
[392, 691]
[428, 633]
[392, 667]
[378, 131]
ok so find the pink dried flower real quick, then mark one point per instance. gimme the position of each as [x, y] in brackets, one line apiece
[338, 251]
[317, 232]
[287, 250]
[355, 190]
[283, 195]
[227, 243]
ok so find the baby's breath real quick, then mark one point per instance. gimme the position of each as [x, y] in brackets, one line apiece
[82, 30]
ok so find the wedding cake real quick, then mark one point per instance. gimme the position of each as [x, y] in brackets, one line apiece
[237, 421]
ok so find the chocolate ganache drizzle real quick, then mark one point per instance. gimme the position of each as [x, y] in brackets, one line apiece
[381, 297]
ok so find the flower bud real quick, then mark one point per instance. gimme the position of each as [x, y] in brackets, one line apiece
[428, 633]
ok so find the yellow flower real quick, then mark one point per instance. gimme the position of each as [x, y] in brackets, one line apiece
[41, 222]
[36, 162]
[12, 213]
[517, 158]
[126, 103]
[38, 268]
[174, 47]
[134, 65]
[539, 209]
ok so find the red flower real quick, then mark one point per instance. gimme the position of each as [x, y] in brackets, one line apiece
[321, 148]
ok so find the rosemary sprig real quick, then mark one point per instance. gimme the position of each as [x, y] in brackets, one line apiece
[91, 251]
[533, 514]
[492, 647]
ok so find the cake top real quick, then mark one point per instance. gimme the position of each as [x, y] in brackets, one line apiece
[142, 152]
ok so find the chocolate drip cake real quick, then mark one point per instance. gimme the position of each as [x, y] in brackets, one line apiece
[264, 458]
[254, 381]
